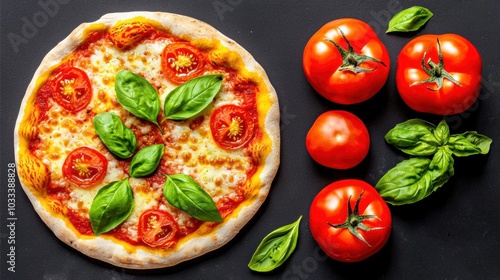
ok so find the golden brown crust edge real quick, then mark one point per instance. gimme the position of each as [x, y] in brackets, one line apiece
[107, 250]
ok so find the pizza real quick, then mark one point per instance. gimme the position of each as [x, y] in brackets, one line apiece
[146, 139]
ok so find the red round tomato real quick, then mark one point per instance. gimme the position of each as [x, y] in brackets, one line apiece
[346, 62]
[181, 62]
[157, 228]
[439, 74]
[232, 126]
[71, 88]
[349, 220]
[85, 167]
[338, 139]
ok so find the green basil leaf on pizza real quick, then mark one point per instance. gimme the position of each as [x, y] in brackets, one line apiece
[184, 193]
[190, 98]
[111, 206]
[138, 96]
[119, 139]
[146, 160]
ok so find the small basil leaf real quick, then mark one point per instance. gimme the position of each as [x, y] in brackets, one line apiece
[275, 248]
[442, 132]
[481, 143]
[146, 160]
[186, 194]
[138, 96]
[119, 139]
[461, 147]
[408, 182]
[111, 206]
[414, 137]
[191, 97]
[410, 19]
[441, 168]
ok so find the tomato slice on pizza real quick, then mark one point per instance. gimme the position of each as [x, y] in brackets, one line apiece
[181, 61]
[157, 228]
[71, 88]
[232, 126]
[85, 167]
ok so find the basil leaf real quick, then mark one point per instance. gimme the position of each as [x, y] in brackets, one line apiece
[119, 139]
[414, 137]
[146, 160]
[111, 206]
[186, 194]
[275, 248]
[410, 19]
[191, 97]
[469, 143]
[408, 182]
[441, 168]
[416, 178]
[138, 96]
[442, 132]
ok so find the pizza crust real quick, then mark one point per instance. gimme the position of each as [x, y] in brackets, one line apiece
[107, 250]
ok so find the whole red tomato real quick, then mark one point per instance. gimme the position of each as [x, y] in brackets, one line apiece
[346, 62]
[439, 74]
[349, 220]
[338, 139]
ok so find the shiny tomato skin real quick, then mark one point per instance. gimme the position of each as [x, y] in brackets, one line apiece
[338, 139]
[71, 88]
[321, 59]
[232, 126]
[460, 58]
[85, 167]
[157, 228]
[329, 207]
[181, 61]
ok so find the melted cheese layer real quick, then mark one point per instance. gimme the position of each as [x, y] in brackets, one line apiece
[220, 172]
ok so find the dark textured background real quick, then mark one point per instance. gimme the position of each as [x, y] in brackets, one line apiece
[453, 234]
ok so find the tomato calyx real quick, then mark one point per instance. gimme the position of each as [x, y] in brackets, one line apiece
[351, 59]
[435, 71]
[354, 221]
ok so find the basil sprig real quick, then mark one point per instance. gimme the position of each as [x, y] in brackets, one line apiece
[111, 206]
[192, 97]
[119, 139]
[184, 193]
[137, 96]
[416, 178]
[410, 19]
[275, 248]
[146, 160]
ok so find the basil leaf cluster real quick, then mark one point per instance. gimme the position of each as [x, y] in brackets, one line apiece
[275, 248]
[119, 139]
[114, 202]
[416, 178]
[411, 19]
[111, 206]
[184, 193]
